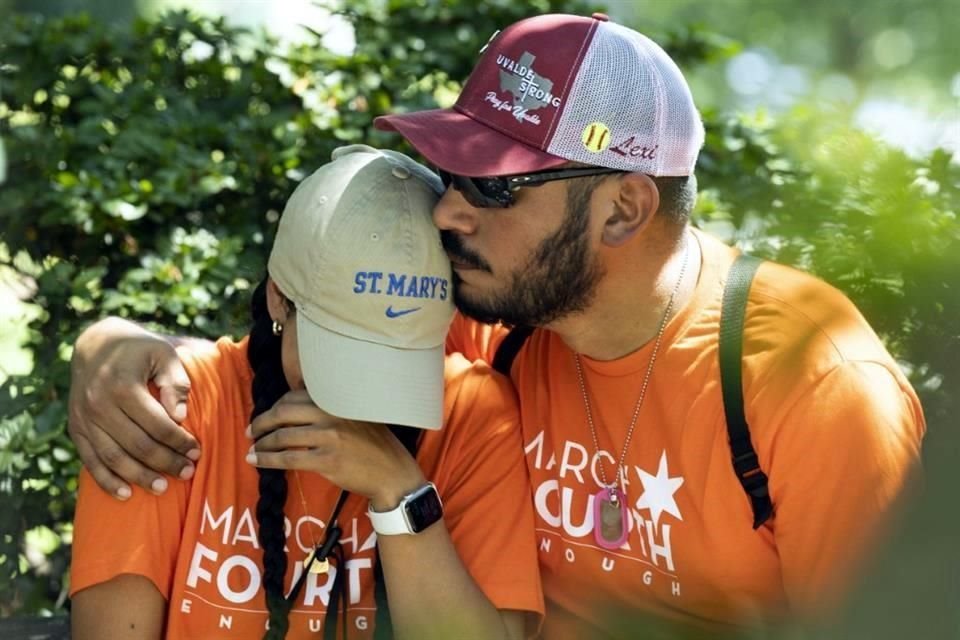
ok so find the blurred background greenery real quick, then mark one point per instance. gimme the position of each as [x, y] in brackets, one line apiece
[146, 155]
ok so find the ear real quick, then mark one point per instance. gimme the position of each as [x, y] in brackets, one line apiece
[632, 207]
[277, 304]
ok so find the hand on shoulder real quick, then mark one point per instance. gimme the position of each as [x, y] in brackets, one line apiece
[122, 433]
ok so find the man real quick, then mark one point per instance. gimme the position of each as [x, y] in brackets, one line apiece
[570, 154]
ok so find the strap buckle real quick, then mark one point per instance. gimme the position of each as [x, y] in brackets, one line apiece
[751, 476]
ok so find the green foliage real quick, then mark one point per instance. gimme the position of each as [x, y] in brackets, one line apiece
[143, 164]
[147, 166]
[879, 225]
[894, 46]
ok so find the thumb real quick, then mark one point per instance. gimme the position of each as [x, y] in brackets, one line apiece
[174, 385]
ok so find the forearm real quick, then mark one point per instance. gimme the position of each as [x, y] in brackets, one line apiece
[113, 328]
[430, 592]
[125, 607]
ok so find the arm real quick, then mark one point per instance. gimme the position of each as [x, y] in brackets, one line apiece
[431, 593]
[122, 608]
[840, 459]
[124, 554]
[488, 508]
[121, 432]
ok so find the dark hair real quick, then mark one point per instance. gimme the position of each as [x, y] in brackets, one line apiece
[269, 385]
[678, 194]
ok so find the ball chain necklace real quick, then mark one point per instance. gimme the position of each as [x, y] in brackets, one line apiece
[610, 503]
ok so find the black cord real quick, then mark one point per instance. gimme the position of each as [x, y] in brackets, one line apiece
[329, 548]
[337, 604]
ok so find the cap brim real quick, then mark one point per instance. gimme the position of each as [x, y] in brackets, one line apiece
[360, 380]
[459, 144]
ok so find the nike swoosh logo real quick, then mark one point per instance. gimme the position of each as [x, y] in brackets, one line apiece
[396, 314]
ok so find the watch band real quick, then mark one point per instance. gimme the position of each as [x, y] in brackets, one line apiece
[416, 511]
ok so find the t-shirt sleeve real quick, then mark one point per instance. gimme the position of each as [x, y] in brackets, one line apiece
[141, 535]
[836, 474]
[487, 502]
[475, 340]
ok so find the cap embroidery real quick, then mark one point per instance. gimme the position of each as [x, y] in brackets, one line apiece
[400, 284]
[397, 313]
[530, 90]
[596, 137]
[630, 148]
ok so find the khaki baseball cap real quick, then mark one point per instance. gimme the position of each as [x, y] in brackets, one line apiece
[359, 256]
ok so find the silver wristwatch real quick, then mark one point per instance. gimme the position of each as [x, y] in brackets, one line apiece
[416, 512]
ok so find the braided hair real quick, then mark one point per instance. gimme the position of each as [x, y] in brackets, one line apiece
[269, 385]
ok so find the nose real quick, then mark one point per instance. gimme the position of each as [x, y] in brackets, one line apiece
[453, 213]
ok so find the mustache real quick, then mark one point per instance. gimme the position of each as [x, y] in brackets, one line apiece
[455, 248]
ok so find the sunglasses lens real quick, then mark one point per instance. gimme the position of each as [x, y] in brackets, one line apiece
[495, 190]
[483, 193]
[486, 193]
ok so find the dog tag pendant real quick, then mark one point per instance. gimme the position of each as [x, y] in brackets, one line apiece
[317, 566]
[610, 518]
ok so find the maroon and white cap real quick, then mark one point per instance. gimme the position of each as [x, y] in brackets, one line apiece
[558, 88]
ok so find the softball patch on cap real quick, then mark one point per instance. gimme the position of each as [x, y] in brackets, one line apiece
[596, 137]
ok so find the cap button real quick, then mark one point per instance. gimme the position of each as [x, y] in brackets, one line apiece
[401, 172]
[602, 17]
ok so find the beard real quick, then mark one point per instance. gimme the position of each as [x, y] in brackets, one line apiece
[560, 277]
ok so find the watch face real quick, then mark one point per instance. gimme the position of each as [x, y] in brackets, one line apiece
[423, 509]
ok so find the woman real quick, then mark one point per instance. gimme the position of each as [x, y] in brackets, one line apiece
[348, 332]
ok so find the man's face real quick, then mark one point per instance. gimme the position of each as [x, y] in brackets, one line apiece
[531, 264]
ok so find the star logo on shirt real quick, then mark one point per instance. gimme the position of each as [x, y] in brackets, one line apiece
[658, 492]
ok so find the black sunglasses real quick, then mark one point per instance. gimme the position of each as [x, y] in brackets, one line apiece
[497, 192]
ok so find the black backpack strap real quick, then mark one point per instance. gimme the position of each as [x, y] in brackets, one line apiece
[509, 348]
[732, 315]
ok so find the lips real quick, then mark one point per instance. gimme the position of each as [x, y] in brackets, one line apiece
[461, 258]
[460, 265]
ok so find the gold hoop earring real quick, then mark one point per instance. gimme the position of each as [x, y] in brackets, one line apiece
[277, 328]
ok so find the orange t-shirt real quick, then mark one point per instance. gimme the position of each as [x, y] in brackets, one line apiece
[198, 542]
[836, 426]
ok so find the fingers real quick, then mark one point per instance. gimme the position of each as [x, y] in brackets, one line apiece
[144, 431]
[110, 465]
[305, 437]
[173, 394]
[122, 426]
[298, 396]
[294, 459]
[289, 410]
[109, 482]
[120, 467]
[360, 457]
[148, 434]
[173, 382]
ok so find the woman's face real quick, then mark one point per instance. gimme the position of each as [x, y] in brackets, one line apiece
[290, 354]
[282, 311]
